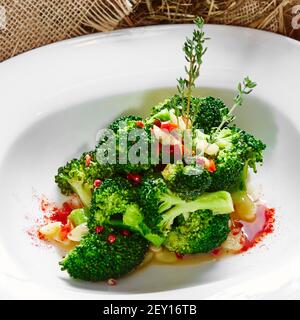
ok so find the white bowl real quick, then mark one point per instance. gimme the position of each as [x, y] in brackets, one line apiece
[55, 98]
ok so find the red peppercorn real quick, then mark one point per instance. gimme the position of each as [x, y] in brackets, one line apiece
[111, 238]
[97, 183]
[125, 233]
[140, 124]
[179, 255]
[111, 282]
[216, 251]
[88, 159]
[135, 178]
[157, 123]
[99, 229]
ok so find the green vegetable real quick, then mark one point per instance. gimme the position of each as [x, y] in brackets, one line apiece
[172, 103]
[125, 152]
[200, 233]
[78, 177]
[114, 204]
[79, 216]
[207, 113]
[129, 121]
[110, 199]
[188, 181]
[96, 259]
[161, 207]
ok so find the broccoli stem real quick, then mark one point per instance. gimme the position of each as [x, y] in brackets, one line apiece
[84, 192]
[219, 202]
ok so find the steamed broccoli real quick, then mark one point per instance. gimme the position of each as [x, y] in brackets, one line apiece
[110, 199]
[207, 113]
[161, 207]
[200, 233]
[110, 254]
[245, 145]
[161, 111]
[78, 176]
[128, 156]
[188, 181]
[130, 122]
[114, 204]
[228, 171]
[238, 150]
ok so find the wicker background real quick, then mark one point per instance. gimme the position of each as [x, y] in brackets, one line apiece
[27, 24]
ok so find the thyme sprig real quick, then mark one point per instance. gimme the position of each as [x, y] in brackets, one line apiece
[194, 50]
[243, 88]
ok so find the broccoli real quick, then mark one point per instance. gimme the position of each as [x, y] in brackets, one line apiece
[129, 121]
[207, 113]
[229, 167]
[72, 178]
[114, 204]
[161, 207]
[124, 149]
[200, 233]
[79, 216]
[188, 181]
[238, 150]
[161, 111]
[110, 254]
[111, 198]
[78, 176]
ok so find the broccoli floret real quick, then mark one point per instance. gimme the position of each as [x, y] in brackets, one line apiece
[78, 176]
[200, 233]
[238, 150]
[97, 258]
[161, 207]
[111, 198]
[160, 111]
[229, 167]
[122, 152]
[114, 204]
[129, 121]
[72, 178]
[207, 113]
[188, 181]
[95, 170]
[245, 145]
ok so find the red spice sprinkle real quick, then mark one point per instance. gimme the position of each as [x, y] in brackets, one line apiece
[111, 238]
[97, 183]
[111, 282]
[135, 178]
[140, 124]
[125, 233]
[64, 231]
[88, 159]
[99, 229]
[40, 235]
[216, 251]
[61, 214]
[179, 255]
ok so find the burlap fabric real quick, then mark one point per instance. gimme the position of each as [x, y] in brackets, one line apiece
[27, 24]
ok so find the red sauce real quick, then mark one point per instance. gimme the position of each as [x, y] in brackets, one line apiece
[254, 232]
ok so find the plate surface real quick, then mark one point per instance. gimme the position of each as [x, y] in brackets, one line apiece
[54, 99]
